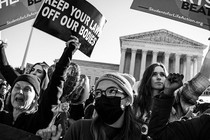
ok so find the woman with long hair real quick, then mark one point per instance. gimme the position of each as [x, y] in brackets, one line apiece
[147, 90]
[114, 120]
[152, 84]
[160, 128]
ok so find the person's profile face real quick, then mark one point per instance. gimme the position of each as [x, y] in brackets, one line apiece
[22, 95]
[158, 78]
[38, 71]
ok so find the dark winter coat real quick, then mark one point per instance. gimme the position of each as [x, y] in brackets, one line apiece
[160, 129]
[41, 118]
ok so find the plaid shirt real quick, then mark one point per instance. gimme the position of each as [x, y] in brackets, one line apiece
[191, 90]
[187, 95]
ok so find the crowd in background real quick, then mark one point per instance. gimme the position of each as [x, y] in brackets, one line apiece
[57, 102]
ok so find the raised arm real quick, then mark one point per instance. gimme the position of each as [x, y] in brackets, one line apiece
[55, 87]
[6, 70]
[205, 69]
[159, 128]
[192, 89]
[59, 74]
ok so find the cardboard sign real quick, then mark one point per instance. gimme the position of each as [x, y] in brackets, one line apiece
[12, 133]
[13, 12]
[193, 12]
[63, 18]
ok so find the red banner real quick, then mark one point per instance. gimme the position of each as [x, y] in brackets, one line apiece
[13, 12]
[193, 12]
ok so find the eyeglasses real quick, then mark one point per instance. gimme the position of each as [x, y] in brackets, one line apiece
[110, 92]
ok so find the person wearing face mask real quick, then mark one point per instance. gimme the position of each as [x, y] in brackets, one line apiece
[113, 103]
[114, 120]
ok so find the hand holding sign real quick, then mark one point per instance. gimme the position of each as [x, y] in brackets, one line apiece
[76, 43]
[63, 18]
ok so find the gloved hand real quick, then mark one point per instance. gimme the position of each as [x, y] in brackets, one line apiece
[172, 83]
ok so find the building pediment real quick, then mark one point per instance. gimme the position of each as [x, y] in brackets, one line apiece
[163, 36]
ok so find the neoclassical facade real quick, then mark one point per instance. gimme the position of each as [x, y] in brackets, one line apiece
[179, 54]
[94, 70]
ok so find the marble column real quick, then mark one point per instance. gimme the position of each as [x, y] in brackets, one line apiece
[177, 63]
[195, 67]
[122, 60]
[154, 56]
[143, 63]
[188, 67]
[133, 58]
[199, 61]
[166, 61]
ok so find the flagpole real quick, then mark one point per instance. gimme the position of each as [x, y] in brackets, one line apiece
[26, 51]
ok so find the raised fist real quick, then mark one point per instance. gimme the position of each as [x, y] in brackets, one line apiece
[173, 82]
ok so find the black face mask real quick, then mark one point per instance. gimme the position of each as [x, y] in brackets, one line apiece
[108, 108]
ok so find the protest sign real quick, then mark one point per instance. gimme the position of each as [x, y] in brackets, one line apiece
[12, 133]
[13, 12]
[63, 18]
[193, 12]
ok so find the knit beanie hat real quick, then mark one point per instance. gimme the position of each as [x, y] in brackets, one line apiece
[130, 78]
[121, 81]
[33, 80]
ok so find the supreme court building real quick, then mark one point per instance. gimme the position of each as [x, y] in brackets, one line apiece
[178, 53]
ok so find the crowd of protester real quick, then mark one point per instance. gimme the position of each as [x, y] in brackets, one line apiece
[56, 102]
